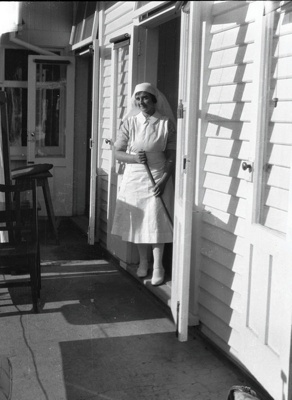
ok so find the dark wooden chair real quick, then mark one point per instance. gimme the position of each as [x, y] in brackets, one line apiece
[19, 247]
[38, 172]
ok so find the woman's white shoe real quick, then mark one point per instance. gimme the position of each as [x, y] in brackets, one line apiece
[157, 277]
[142, 271]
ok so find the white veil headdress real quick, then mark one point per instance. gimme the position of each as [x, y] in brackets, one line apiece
[162, 105]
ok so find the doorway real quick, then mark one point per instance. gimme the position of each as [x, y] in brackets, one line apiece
[167, 83]
[82, 156]
[88, 136]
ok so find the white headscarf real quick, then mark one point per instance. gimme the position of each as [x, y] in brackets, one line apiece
[162, 105]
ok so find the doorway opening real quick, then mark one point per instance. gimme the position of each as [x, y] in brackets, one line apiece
[167, 83]
[82, 151]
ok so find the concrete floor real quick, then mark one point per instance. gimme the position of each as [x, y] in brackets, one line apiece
[101, 335]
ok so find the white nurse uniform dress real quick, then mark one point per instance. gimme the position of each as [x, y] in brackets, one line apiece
[139, 215]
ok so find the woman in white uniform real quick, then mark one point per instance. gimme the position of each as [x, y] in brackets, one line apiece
[147, 134]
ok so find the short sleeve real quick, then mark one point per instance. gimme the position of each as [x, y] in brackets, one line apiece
[171, 139]
[123, 136]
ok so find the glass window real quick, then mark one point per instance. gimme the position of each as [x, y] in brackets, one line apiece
[84, 22]
[17, 115]
[50, 109]
[16, 64]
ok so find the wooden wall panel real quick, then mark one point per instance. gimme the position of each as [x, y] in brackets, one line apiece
[227, 94]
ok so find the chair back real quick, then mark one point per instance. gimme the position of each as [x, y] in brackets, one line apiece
[19, 212]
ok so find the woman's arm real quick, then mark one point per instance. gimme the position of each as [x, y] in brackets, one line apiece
[138, 158]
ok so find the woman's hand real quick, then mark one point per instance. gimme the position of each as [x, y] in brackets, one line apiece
[140, 157]
[159, 187]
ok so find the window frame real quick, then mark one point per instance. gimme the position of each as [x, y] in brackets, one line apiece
[77, 43]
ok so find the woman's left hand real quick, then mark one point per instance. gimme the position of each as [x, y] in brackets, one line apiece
[159, 188]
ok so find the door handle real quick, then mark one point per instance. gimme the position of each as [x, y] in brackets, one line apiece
[31, 137]
[246, 166]
[108, 141]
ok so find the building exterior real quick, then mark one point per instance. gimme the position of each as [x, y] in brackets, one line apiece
[227, 67]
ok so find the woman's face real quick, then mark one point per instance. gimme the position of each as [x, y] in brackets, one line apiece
[145, 102]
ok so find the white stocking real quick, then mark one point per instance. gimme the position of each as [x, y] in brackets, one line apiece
[143, 264]
[158, 249]
[158, 270]
[143, 252]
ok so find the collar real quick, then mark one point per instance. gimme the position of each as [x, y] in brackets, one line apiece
[151, 118]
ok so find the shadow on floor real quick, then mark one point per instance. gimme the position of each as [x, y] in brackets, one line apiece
[100, 336]
[73, 243]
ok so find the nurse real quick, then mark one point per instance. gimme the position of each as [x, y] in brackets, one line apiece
[147, 134]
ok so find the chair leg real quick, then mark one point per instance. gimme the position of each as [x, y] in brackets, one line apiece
[50, 209]
[38, 266]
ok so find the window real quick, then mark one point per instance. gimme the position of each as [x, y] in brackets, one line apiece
[84, 29]
[15, 86]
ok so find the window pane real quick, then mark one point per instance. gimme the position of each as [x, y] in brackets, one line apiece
[17, 115]
[50, 110]
[16, 64]
[276, 139]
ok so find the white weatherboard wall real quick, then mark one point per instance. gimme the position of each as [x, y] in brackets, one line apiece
[232, 53]
[226, 98]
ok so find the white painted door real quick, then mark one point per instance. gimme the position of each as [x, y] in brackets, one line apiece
[267, 273]
[93, 143]
[51, 124]
[185, 165]
[120, 92]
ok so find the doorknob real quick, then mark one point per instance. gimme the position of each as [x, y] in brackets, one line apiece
[108, 141]
[246, 166]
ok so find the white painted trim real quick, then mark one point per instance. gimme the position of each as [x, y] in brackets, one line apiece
[94, 142]
[113, 124]
[259, 104]
[188, 92]
[37, 49]
[82, 43]
[99, 128]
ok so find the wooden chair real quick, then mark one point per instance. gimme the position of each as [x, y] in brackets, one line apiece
[20, 250]
[38, 172]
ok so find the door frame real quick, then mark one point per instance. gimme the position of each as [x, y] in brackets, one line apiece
[189, 89]
[190, 47]
[93, 145]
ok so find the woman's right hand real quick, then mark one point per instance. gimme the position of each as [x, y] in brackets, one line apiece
[140, 157]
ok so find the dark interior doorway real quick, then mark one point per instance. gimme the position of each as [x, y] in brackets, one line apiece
[88, 130]
[167, 82]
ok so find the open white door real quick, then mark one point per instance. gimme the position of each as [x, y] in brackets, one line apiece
[267, 276]
[51, 124]
[94, 143]
[185, 165]
[120, 86]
